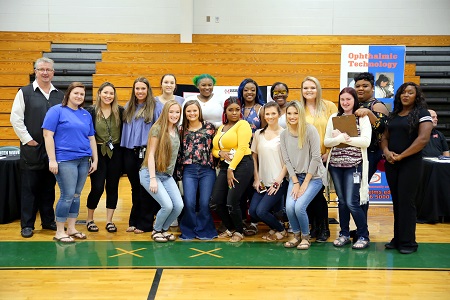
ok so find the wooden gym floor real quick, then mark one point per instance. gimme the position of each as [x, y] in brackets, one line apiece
[130, 266]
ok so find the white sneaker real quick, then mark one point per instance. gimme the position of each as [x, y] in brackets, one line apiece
[290, 228]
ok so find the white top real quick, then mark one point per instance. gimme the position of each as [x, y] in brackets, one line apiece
[362, 141]
[212, 109]
[270, 161]
[17, 117]
[282, 121]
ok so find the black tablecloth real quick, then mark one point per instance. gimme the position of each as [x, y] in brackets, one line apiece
[433, 197]
[9, 189]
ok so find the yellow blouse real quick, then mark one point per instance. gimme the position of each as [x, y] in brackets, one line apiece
[321, 122]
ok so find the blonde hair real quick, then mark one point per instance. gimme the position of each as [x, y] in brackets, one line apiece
[300, 128]
[147, 110]
[320, 104]
[164, 148]
[114, 104]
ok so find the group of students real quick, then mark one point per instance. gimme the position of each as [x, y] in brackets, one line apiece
[287, 146]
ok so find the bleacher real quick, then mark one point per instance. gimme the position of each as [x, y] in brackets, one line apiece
[230, 58]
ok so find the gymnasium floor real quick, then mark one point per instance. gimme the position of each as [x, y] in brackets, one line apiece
[130, 266]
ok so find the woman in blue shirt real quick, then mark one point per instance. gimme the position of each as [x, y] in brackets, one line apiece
[72, 152]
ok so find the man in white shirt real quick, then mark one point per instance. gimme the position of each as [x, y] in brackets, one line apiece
[27, 114]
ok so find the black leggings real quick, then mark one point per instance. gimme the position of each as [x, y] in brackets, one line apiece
[225, 201]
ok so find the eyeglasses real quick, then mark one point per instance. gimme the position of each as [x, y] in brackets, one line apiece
[41, 70]
[282, 92]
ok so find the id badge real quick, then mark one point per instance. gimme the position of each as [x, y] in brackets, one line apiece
[110, 145]
[356, 177]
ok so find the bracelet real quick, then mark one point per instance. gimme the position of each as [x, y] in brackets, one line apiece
[296, 182]
[152, 177]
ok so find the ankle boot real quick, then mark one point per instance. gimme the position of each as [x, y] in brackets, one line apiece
[324, 232]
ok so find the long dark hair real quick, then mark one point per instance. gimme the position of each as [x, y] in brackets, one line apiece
[419, 103]
[352, 92]
[259, 96]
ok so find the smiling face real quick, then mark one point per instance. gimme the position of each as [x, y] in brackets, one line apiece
[192, 113]
[309, 90]
[249, 92]
[233, 112]
[44, 73]
[408, 97]
[140, 91]
[205, 86]
[271, 115]
[347, 103]
[292, 115]
[280, 95]
[364, 90]
[107, 95]
[76, 98]
[174, 114]
[168, 84]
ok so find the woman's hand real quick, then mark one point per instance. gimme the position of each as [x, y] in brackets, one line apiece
[256, 184]
[362, 112]
[335, 133]
[92, 167]
[53, 167]
[391, 156]
[153, 185]
[303, 188]
[325, 157]
[225, 155]
[273, 189]
[230, 178]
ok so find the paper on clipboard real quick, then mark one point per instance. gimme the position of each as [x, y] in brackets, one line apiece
[347, 124]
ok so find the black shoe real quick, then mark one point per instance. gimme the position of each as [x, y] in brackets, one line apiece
[27, 232]
[407, 251]
[324, 231]
[51, 226]
[390, 246]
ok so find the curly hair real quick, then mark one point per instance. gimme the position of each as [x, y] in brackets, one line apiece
[419, 103]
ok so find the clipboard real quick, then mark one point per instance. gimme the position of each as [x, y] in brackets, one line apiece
[347, 124]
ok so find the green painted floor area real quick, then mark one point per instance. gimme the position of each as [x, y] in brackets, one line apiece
[110, 254]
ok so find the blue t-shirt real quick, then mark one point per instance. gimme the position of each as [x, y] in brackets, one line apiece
[72, 129]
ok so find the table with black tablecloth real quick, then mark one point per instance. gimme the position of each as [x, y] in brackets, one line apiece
[9, 189]
[433, 197]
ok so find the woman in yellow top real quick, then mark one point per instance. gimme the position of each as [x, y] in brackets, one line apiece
[232, 145]
[318, 111]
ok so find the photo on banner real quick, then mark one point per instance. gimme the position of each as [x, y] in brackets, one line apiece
[387, 64]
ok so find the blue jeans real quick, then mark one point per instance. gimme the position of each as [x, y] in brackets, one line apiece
[197, 224]
[296, 209]
[348, 194]
[263, 204]
[168, 196]
[71, 177]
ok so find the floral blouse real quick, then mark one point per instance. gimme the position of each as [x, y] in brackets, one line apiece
[197, 147]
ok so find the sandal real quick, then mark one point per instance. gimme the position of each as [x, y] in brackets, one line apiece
[64, 240]
[158, 237]
[278, 235]
[226, 234]
[268, 234]
[168, 236]
[131, 229]
[293, 242]
[111, 227]
[237, 237]
[341, 241]
[91, 227]
[78, 235]
[305, 243]
[251, 230]
[361, 244]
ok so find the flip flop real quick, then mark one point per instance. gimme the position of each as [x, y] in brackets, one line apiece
[131, 229]
[64, 239]
[78, 235]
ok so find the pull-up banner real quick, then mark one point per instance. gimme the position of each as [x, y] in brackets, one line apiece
[386, 63]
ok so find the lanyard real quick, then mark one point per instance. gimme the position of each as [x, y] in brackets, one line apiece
[107, 126]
